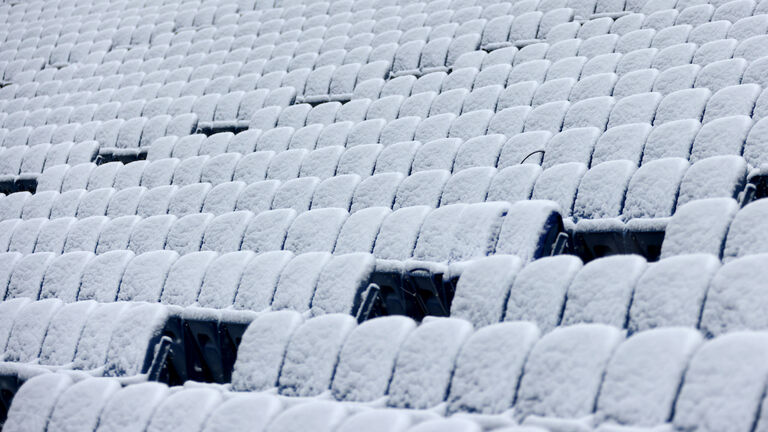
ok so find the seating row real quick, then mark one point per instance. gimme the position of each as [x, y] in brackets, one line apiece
[677, 379]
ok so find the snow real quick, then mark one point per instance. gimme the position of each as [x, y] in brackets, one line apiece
[257, 197]
[138, 326]
[564, 371]
[225, 233]
[27, 277]
[259, 280]
[489, 368]
[267, 230]
[298, 281]
[421, 188]
[637, 108]
[672, 292]
[102, 275]
[722, 136]
[479, 151]
[447, 425]
[317, 415]
[78, 408]
[643, 376]
[34, 402]
[185, 410]
[9, 308]
[156, 201]
[671, 139]
[602, 291]
[145, 276]
[699, 226]
[437, 234]
[130, 409]
[125, 202]
[53, 235]
[592, 112]
[150, 234]
[312, 353]
[425, 363]
[735, 298]
[185, 278]
[377, 420]
[315, 230]
[186, 234]
[723, 384]
[560, 184]
[29, 328]
[483, 287]
[335, 191]
[682, 104]
[573, 145]
[398, 233]
[396, 157]
[359, 232]
[222, 279]
[116, 233]
[513, 183]
[321, 162]
[262, 350]
[478, 230]
[63, 275]
[653, 189]
[25, 235]
[243, 411]
[341, 283]
[359, 160]
[295, 194]
[602, 189]
[368, 357]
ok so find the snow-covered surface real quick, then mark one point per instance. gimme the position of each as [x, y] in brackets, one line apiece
[320, 416]
[131, 408]
[744, 236]
[699, 227]
[34, 402]
[483, 287]
[249, 411]
[312, 353]
[564, 371]
[426, 362]
[262, 350]
[184, 410]
[602, 291]
[368, 357]
[78, 408]
[538, 292]
[724, 384]
[489, 367]
[643, 376]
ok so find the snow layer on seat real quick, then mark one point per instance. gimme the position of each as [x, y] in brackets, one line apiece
[377, 420]
[312, 353]
[186, 234]
[116, 233]
[267, 231]
[425, 363]
[29, 328]
[138, 327]
[564, 371]
[525, 228]
[185, 278]
[243, 411]
[489, 367]
[78, 408]
[298, 281]
[225, 233]
[699, 227]
[468, 186]
[724, 384]
[341, 283]
[437, 235]
[317, 415]
[602, 189]
[653, 190]
[130, 409]
[735, 298]
[28, 273]
[34, 402]
[483, 288]
[398, 233]
[262, 349]
[714, 177]
[671, 292]
[259, 280]
[315, 231]
[145, 276]
[745, 236]
[185, 410]
[447, 425]
[643, 376]
[560, 184]
[222, 279]
[367, 358]
[671, 139]
[602, 291]
[359, 231]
